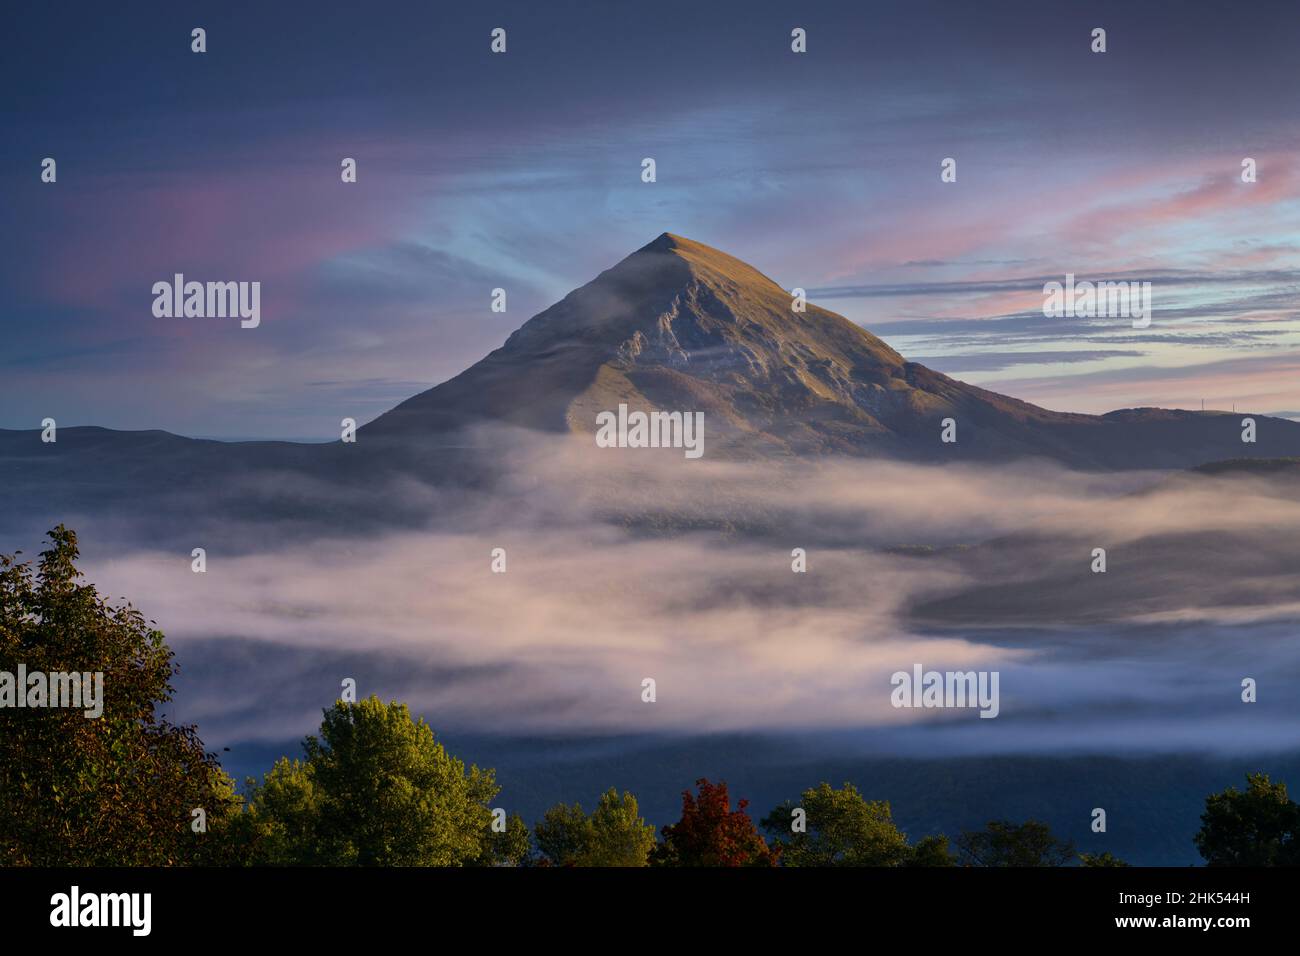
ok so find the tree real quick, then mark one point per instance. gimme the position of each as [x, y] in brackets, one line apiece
[710, 833]
[563, 834]
[513, 846]
[614, 834]
[931, 851]
[375, 789]
[1256, 827]
[620, 836]
[282, 822]
[841, 828]
[118, 789]
[1003, 843]
[1100, 859]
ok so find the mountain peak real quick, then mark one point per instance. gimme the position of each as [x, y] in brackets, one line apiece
[702, 260]
[669, 242]
[682, 326]
[664, 242]
[675, 324]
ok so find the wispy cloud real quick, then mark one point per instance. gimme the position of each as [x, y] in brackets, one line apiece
[605, 586]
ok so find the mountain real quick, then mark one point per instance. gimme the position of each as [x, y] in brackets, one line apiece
[676, 326]
[680, 326]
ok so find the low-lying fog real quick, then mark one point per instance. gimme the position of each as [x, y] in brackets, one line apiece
[623, 565]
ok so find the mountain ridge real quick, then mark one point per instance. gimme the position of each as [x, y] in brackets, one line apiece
[679, 325]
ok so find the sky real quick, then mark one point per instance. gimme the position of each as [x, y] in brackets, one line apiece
[523, 171]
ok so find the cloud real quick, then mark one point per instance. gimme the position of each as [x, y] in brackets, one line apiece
[623, 567]
[993, 361]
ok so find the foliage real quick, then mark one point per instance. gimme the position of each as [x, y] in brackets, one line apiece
[931, 851]
[511, 847]
[613, 835]
[1259, 826]
[113, 790]
[710, 833]
[1003, 843]
[841, 828]
[375, 789]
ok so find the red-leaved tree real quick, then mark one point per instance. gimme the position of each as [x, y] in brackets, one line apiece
[710, 833]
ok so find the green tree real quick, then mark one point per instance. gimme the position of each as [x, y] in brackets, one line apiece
[1256, 827]
[1100, 859]
[282, 823]
[114, 790]
[511, 847]
[621, 836]
[563, 834]
[613, 835]
[375, 789]
[931, 851]
[1003, 843]
[840, 828]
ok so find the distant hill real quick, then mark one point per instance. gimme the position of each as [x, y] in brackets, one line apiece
[1259, 467]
